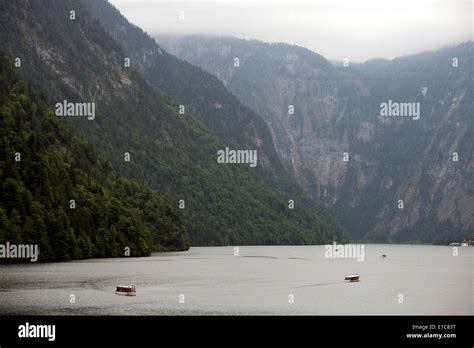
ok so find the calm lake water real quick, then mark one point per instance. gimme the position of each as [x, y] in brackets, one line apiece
[259, 281]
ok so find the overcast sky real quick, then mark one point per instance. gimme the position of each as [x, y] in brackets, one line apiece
[359, 30]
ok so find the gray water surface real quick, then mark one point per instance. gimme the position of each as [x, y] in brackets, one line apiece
[259, 281]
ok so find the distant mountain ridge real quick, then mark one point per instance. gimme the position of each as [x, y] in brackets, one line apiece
[337, 111]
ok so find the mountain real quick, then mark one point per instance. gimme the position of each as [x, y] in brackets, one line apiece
[67, 55]
[337, 110]
[58, 193]
[200, 92]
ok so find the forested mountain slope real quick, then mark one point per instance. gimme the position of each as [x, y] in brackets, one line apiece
[57, 193]
[200, 92]
[174, 154]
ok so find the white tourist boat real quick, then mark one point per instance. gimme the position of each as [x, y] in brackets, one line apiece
[352, 278]
[126, 290]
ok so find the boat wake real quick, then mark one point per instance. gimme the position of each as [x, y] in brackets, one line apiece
[319, 284]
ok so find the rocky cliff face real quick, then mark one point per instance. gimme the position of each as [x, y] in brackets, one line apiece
[395, 178]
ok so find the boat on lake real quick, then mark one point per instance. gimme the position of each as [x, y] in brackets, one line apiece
[126, 290]
[352, 278]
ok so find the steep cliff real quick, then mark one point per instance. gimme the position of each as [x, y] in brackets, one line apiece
[337, 114]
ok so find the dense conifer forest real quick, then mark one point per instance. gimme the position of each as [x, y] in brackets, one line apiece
[58, 193]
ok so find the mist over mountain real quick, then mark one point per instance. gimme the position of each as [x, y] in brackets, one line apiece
[392, 179]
